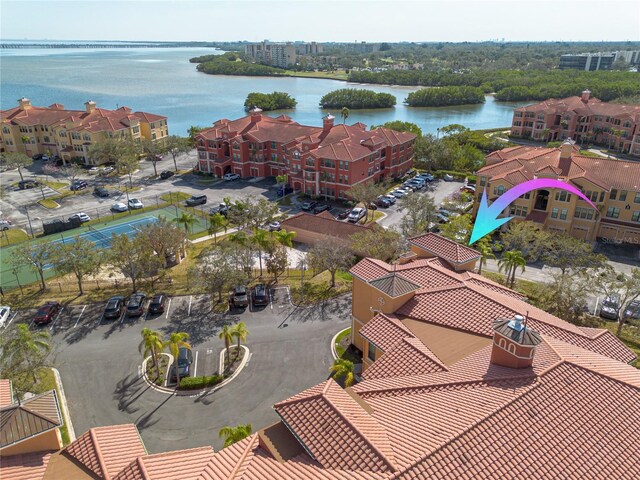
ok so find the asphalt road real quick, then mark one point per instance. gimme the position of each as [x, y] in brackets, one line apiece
[100, 366]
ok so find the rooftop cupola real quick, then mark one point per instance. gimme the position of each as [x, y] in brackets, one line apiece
[514, 344]
[566, 149]
[256, 114]
[90, 106]
[24, 103]
[586, 94]
[327, 122]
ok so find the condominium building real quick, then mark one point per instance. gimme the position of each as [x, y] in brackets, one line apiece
[280, 55]
[584, 119]
[311, 48]
[612, 185]
[70, 134]
[598, 61]
[319, 161]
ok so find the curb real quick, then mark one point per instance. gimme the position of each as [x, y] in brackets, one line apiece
[63, 404]
[333, 343]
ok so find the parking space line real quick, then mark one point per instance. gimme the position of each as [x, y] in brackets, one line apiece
[55, 320]
[189, 309]
[195, 365]
[80, 316]
[11, 320]
[166, 315]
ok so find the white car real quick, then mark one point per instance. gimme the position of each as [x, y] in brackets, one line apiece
[231, 176]
[119, 207]
[391, 199]
[4, 315]
[94, 171]
[5, 225]
[135, 204]
[356, 214]
[274, 226]
[83, 217]
[398, 193]
[106, 170]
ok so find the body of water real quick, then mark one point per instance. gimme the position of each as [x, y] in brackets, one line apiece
[163, 81]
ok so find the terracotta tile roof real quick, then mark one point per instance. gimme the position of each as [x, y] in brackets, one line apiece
[28, 466]
[323, 223]
[336, 430]
[107, 450]
[407, 357]
[370, 268]
[6, 393]
[444, 248]
[29, 418]
[164, 466]
[394, 285]
[149, 117]
[385, 331]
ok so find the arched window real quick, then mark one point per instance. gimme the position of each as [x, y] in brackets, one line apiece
[502, 343]
[512, 348]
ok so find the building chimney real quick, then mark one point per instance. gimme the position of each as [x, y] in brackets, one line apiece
[327, 122]
[90, 106]
[585, 95]
[24, 103]
[514, 344]
[566, 149]
[256, 114]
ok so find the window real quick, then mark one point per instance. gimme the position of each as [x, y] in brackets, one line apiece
[613, 212]
[613, 194]
[236, 146]
[274, 157]
[623, 195]
[554, 213]
[637, 198]
[563, 214]
[582, 212]
[6, 130]
[601, 197]
[273, 145]
[371, 352]
[635, 216]
[563, 196]
[310, 162]
[483, 181]
[499, 190]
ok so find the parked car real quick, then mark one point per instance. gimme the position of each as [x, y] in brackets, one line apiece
[468, 188]
[260, 295]
[286, 191]
[447, 178]
[119, 207]
[78, 185]
[196, 200]
[135, 204]
[633, 310]
[222, 209]
[419, 184]
[356, 214]
[444, 212]
[372, 206]
[274, 226]
[5, 225]
[442, 218]
[383, 202]
[93, 171]
[106, 170]
[610, 307]
[391, 198]
[166, 174]
[321, 208]
[400, 193]
[411, 187]
[231, 176]
[426, 176]
[114, 308]
[184, 361]
[46, 313]
[101, 192]
[344, 214]
[135, 306]
[158, 303]
[37, 156]
[239, 297]
[308, 206]
[26, 184]
[156, 158]
[83, 217]
[4, 315]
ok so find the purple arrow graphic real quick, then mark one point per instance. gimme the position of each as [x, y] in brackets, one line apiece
[487, 217]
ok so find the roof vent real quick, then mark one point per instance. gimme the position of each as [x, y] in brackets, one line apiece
[517, 323]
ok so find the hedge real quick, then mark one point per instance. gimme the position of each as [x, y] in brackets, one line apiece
[196, 383]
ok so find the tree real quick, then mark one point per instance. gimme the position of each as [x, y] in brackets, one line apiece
[283, 237]
[484, 248]
[261, 239]
[269, 101]
[366, 193]
[79, 257]
[458, 229]
[154, 150]
[164, 238]
[226, 334]
[400, 126]
[128, 164]
[176, 146]
[277, 259]
[35, 255]
[527, 237]
[570, 254]
[232, 435]
[239, 332]
[217, 222]
[152, 345]
[258, 213]
[122, 151]
[565, 297]
[419, 214]
[186, 220]
[344, 113]
[134, 257]
[177, 340]
[377, 242]
[627, 287]
[510, 262]
[281, 180]
[217, 273]
[71, 171]
[331, 254]
[16, 160]
[23, 353]
[343, 368]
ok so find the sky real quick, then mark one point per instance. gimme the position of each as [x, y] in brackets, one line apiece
[325, 21]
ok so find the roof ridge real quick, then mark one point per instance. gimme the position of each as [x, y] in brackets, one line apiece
[243, 456]
[143, 468]
[96, 445]
[433, 356]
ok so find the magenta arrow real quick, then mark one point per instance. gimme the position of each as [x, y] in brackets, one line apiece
[487, 217]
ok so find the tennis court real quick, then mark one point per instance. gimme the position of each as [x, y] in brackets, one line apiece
[99, 234]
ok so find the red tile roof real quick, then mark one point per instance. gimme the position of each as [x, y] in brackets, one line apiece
[444, 248]
[407, 357]
[28, 466]
[6, 394]
[385, 331]
[31, 417]
[323, 223]
[164, 466]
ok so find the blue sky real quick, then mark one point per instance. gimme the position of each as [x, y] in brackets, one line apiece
[329, 20]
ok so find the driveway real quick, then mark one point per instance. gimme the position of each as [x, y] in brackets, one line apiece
[100, 366]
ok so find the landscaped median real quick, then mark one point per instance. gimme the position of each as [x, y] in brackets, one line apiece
[48, 203]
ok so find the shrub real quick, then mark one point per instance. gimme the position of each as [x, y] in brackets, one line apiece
[195, 383]
[356, 98]
[269, 101]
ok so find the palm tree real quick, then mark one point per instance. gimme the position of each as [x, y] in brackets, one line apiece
[187, 220]
[545, 134]
[284, 238]
[342, 368]
[232, 435]
[151, 345]
[345, 114]
[177, 340]
[240, 332]
[484, 248]
[216, 223]
[24, 346]
[226, 334]
[510, 261]
[260, 239]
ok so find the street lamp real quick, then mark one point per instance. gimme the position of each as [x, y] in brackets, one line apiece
[26, 209]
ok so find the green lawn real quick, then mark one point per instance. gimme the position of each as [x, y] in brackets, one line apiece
[172, 197]
[47, 382]
[55, 185]
[337, 75]
[48, 203]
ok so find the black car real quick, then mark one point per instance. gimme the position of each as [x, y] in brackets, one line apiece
[321, 208]
[196, 200]
[101, 192]
[38, 156]
[260, 295]
[78, 185]
[26, 184]
[222, 209]
[158, 303]
[184, 361]
[344, 214]
[309, 206]
[383, 202]
[135, 306]
[239, 297]
[286, 191]
[114, 307]
[166, 174]
[611, 307]
[633, 310]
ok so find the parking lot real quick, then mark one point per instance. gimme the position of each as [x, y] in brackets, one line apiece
[101, 366]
